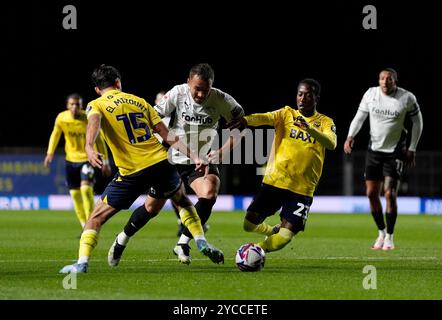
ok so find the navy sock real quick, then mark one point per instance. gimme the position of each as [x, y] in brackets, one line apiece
[137, 220]
[391, 221]
[379, 219]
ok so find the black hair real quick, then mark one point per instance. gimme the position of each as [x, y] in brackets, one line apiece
[204, 71]
[312, 83]
[392, 71]
[105, 76]
[74, 96]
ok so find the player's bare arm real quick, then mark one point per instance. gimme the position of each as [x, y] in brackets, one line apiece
[355, 126]
[236, 128]
[176, 143]
[240, 124]
[53, 142]
[48, 160]
[93, 128]
[416, 132]
[348, 144]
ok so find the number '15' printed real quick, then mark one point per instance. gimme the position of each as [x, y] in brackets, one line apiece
[131, 123]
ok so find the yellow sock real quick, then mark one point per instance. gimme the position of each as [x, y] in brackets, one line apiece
[88, 241]
[78, 205]
[189, 217]
[262, 228]
[277, 241]
[87, 194]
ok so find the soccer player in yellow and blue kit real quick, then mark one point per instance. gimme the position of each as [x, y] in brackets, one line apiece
[301, 137]
[80, 174]
[128, 123]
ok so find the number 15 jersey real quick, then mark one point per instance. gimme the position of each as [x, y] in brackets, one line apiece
[127, 123]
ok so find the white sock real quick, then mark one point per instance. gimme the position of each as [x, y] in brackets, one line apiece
[122, 238]
[200, 237]
[184, 239]
[382, 233]
[83, 259]
[389, 236]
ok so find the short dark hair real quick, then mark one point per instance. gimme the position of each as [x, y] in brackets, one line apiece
[74, 96]
[316, 87]
[204, 71]
[392, 71]
[105, 76]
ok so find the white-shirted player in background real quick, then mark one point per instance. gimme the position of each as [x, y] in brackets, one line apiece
[387, 106]
[195, 107]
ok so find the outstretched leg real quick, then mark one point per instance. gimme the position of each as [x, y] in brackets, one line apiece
[139, 218]
[206, 188]
[280, 239]
[89, 237]
[190, 218]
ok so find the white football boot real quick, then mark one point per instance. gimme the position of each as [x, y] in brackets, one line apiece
[379, 243]
[388, 243]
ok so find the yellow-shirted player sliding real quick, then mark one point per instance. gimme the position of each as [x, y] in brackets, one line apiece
[294, 168]
[128, 123]
[72, 123]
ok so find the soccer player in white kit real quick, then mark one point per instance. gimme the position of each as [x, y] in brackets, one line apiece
[166, 121]
[195, 109]
[387, 107]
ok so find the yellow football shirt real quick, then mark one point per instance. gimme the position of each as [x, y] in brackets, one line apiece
[127, 122]
[74, 131]
[297, 156]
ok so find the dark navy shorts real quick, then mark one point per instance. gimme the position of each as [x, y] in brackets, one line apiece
[77, 172]
[270, 199]
[379, 165]
[188, 173]
[160, 181]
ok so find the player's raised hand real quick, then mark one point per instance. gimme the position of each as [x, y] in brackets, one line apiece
[94, 157]
[348, 145]
[300, 122]
[48, 160]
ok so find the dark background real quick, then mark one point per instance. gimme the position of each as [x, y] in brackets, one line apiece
[259, 51]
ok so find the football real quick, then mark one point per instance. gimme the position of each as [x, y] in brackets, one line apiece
[250, 257]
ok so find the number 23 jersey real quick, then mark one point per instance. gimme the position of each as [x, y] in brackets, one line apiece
[127, 123]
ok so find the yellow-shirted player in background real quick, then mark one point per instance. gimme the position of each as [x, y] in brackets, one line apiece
[72, 123]
[294, 168]
[128, 123]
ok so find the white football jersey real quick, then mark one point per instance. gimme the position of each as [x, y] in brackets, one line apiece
[387, 115]
[195, 124]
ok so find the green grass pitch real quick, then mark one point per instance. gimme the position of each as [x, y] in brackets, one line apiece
[324, 262]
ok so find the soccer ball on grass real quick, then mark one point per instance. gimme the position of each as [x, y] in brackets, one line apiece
[250, 257]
